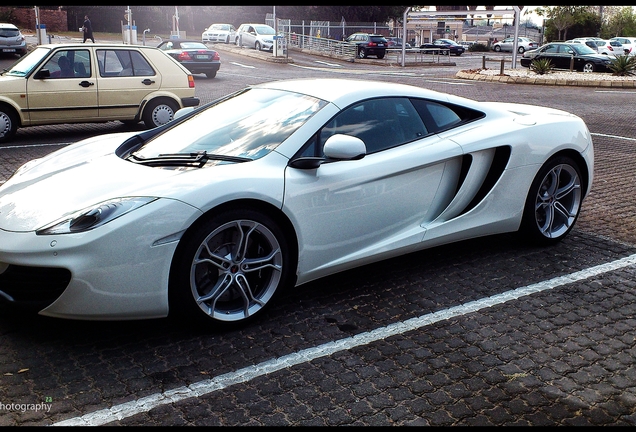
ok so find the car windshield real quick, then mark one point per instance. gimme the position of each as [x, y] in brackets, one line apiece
[265, 30]
[220, 27]
[191, 45]
[248, 124]
[26, 64]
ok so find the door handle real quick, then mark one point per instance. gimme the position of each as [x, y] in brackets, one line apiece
[148, 81]
[86, 84]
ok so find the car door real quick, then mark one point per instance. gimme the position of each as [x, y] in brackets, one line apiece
[507, 44]
[125, 79]
[382, 201]
[67, 92]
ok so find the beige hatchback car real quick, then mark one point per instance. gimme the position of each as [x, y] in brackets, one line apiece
[80, 83]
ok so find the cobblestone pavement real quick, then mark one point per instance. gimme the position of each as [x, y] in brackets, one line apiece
[435, 338]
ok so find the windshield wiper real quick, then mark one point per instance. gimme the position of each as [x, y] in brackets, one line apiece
[197, 159]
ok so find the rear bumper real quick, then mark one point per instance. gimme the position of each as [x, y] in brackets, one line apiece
[190, 101]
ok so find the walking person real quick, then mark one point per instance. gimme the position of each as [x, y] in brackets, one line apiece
[88, 29]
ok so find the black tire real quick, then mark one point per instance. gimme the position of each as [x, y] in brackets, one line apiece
[159, 112]
[521, 50]
[227, 39]
[381, 56]
[362, 53]
[237, 41]
[230, 269]
[8, 123]
[589, 67]
[497, 48]
[258, 47]
[210, 74]
[458, 54]
[554, 202]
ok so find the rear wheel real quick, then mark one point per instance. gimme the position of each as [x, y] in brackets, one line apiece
[381, 56]
[159, 112]
[589, 67]
[521, 50]
[230, 269]
[553, 203]
[362, 53]
[210, 74]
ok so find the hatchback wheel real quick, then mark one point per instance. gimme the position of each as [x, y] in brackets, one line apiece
[8, 123]
[159, 112]
[553, 203]
[362, 53]
[257, 46]
[231, 268]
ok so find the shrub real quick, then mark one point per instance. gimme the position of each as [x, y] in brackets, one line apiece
[623, 65]
[541, 66]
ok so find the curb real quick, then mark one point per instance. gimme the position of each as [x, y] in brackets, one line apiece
[545, 81]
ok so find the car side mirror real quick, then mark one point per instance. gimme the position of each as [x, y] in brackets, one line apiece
[337, 147]
[42, 74]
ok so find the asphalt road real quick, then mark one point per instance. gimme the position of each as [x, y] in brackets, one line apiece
[485, 332]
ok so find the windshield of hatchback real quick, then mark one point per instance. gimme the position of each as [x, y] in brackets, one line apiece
[249, 124]
[26, 63]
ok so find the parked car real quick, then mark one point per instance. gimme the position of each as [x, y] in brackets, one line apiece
[589, 42]
[610, 47]
[443, 46]
[194, 55]
[223, 33]
[257, 36]
[523, 44]
[396, 42]
[85, 83]
[369, 44]
[560, 55]
[629, 44]
[211, 216]
[12, 41]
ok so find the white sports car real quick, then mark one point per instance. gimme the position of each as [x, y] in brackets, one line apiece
[214, 213]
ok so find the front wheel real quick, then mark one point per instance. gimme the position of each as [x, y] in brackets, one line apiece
[589, 67]
[497, 48]
[553, 203]
[159, 112]
[8, 123]
[257, 46]
[231, 268]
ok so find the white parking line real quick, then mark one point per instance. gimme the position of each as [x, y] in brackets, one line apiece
[145, 404]
[242, 65]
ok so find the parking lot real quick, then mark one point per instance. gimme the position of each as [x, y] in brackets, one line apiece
[486, 332]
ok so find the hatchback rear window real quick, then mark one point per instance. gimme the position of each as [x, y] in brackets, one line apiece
[7, 32]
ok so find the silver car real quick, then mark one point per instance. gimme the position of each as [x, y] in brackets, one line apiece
[12, 40]
[257, 36]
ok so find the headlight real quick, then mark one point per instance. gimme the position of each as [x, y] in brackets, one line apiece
[96, 216]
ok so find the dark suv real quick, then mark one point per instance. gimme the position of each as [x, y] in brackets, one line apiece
[369, 44]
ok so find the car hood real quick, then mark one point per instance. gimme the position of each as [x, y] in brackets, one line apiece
[78, 177]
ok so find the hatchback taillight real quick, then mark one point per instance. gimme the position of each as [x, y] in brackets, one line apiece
[372, 44]
[190, 81]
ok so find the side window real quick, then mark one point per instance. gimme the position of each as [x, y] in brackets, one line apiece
[438, 117]
[123, 63]
[551, 49]
[69, 64]
[380, 123]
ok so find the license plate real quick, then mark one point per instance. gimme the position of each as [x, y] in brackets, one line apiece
[380, 45]
[8, 49]
[202, 57]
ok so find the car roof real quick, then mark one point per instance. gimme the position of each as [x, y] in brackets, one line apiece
[343, 92]
[9, 26]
